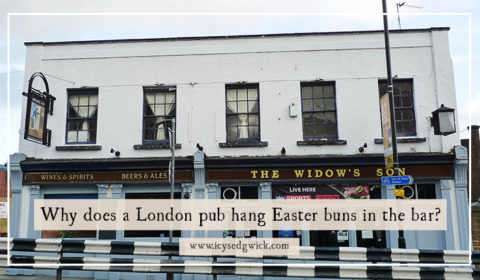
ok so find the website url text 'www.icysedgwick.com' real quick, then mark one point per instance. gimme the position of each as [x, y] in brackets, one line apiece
[239, 246]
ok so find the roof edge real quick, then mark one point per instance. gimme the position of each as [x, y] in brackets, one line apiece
[191, 38]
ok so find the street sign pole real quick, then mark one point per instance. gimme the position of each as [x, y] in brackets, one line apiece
[401, 237]
[173, 141]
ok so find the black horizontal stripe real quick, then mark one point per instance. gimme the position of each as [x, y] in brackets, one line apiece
[379, 272]
[123, 268]
[122, 247]
[273, 270]
[327, 254]
[430, 256]
[121, 260]
[24, 244]
[432, 273]
[327, 272]
[224, 270]
[73, 246]
[22, 259]
[71, 260]
[169, 249]
[172, 269]
[76, 267]
[379, 255]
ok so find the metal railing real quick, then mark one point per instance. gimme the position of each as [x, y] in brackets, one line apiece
[392, 260]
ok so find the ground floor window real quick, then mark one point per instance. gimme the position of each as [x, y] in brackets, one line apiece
[70, 233]
[151, 233]
[331, 238]
[239, 192]
[372, 238]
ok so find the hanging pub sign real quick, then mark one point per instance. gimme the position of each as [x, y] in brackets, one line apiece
[39, 105]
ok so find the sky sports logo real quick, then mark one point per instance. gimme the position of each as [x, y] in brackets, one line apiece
[300, 197]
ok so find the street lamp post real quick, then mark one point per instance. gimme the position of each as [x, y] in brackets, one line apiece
[401, 237]
[172, 140]
[171, 170]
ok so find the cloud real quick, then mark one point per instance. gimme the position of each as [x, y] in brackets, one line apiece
[467, 109]
[46, 28]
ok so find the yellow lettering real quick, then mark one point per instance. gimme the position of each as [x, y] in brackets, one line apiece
[264, 174]
[390, 172]
[379, 172]
[356, 172]
[329, 173]
[309, 173]
[275, 174]
[401, 171]
[299, 173]
[254, 174]
[341, 172]
[318, 173]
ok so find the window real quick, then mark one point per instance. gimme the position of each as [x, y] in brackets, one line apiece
[239, 192]
[243, 120]
[159, 110]
[151, 233]
[403, 101]
[69, 233]
[82, 116]
[319, 111]
[422, 191]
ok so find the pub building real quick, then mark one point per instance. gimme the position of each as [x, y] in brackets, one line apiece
[270, 116]
[354, 177]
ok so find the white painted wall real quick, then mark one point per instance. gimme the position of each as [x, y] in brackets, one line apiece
[201, 68]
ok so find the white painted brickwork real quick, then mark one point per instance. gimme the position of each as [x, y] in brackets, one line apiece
[201, 68]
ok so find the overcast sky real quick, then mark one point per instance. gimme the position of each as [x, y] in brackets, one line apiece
[350, 15]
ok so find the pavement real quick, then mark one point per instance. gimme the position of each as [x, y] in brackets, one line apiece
[36, 277]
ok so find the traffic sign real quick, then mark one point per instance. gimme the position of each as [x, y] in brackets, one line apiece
[399, 192]
[397, 180]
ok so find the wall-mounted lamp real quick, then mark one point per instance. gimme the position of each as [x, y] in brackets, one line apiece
[443, 121]
[293, 110]
[117, 153]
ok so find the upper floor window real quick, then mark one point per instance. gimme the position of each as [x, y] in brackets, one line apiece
[159, 110]
[319, 111]
[243, 120]
[403, 101]
[82, 116]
